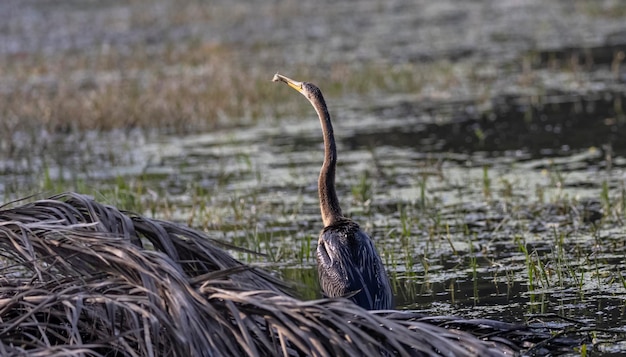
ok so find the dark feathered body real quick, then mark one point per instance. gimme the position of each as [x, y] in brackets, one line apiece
[348, 265]
[347, 262]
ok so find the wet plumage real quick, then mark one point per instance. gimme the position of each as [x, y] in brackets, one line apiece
[348, 265]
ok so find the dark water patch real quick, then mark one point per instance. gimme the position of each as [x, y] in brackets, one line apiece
[510, 301]
[487, 297]
[585, 57]
[546, 126]
[304, 281]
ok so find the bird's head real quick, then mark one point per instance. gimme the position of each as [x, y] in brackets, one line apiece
[309, 90]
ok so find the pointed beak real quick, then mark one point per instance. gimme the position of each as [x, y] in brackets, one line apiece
[290, 82]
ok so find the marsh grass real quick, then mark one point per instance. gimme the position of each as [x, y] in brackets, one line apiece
[191, 85]
[400, 242]
[421, 233]
[473, 264]
[88, 279]
[173, 87]
[363, 190]
[486, 183]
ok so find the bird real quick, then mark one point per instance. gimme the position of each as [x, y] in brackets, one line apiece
[347, 261]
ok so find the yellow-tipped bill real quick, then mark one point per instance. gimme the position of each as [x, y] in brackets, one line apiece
[293, 84]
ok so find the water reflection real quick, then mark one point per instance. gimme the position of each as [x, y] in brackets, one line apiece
[527, 127]
[485, 298]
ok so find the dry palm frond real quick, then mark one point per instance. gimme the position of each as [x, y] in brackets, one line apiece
[84, 279]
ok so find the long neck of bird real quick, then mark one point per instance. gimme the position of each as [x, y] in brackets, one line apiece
[329, 204]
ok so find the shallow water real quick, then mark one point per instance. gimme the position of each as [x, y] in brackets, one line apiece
[497, 191]
[449, 216]
[449, 223]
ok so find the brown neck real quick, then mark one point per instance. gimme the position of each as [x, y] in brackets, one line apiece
[329, 204]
